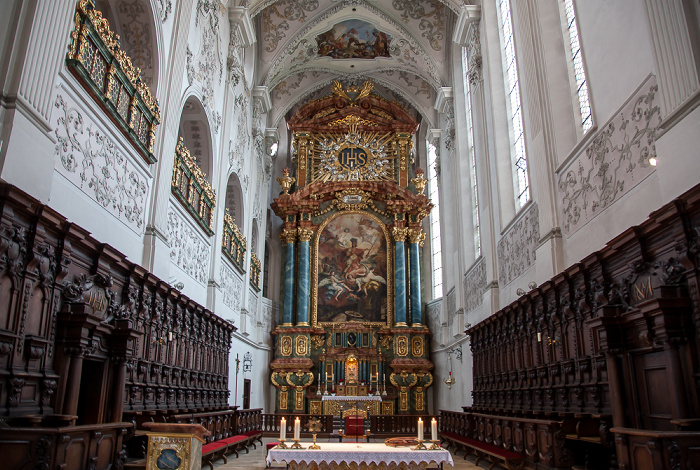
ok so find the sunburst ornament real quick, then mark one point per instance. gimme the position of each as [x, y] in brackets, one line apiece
[355, 156]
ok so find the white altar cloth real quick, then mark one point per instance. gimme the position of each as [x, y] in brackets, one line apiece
[373, 455]
[351, 398]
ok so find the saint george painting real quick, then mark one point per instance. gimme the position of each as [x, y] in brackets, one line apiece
[352, 270]
[353, 39]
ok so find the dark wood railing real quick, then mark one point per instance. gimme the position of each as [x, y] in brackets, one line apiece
[539, 440]
[403, 425]
[657, 449]
[87, 446]
[379, 425]
[271, 424]
[224, 423]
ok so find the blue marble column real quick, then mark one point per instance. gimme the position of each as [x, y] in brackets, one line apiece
[288, 308]
[414, 264]
[399, 276]
[304, 275]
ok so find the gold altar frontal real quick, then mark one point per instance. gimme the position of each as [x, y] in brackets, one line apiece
[336, 407]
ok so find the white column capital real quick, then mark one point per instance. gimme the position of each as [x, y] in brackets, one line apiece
[468, 15]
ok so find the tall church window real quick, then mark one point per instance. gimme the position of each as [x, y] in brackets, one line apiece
[471, 155]
[435, 239]
[522, 183]
[579, 72]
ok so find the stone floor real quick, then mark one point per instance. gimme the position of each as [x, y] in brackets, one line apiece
[255, 460]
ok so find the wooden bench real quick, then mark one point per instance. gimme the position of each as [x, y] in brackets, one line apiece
[253, 436]
[220, 449]
[213, 451]
[495, 455]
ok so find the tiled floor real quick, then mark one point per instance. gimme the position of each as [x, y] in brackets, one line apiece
[255, 460]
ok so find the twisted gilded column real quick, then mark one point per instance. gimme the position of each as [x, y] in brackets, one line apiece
[399, 235]
[416, 237]
[289, 237]
[305, 235]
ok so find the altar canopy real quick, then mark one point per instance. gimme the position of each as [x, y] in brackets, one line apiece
[352, 211]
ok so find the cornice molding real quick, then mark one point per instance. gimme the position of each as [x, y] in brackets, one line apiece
[468, 15]
[241, 17]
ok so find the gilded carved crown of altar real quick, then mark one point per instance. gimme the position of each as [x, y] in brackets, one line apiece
[352, 135]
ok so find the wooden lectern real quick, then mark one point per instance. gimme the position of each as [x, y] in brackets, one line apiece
[174, 446]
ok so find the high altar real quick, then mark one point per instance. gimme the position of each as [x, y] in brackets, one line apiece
[352, 322]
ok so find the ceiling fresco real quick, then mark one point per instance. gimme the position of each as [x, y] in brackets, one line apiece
[401, 45]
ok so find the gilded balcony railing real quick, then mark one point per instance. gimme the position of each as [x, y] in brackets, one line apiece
[192, 189]
[233, 243]
[255, 271]
[97, 60]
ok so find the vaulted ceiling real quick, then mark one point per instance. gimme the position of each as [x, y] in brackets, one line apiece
[404, 46]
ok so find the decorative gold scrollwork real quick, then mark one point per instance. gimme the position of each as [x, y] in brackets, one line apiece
[402, 345]
[286, 345]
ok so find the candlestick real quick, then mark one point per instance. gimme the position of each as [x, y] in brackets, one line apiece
[283, 429]
[420, 429]
[433, 430]
[297, 429]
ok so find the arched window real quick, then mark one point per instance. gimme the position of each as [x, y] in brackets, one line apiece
[194, 130]
[134, 22]
[471, 155]
[577, 69]
[435, 238]
[518, 153]
[234, 199]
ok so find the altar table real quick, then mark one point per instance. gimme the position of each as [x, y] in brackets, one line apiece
[358, 456]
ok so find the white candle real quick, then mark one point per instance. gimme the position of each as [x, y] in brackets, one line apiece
[433, 430]
[383, 378]
[297, 429]
[420, 429]
[283, 429]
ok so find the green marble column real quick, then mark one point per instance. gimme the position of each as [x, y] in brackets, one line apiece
[399, 276]
[289, 236]
[305, 235]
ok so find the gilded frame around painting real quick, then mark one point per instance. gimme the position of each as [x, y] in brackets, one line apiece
[324, 316]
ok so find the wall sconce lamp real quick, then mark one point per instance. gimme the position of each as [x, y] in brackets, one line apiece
[161, 340]
[457, 351]
[550, 341]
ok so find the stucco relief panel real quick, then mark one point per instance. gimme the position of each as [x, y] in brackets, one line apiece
[516, 249]
[434, 320]
[205, 63]
[93, 162]
[231, 287]
[188, 249]
[474, 283]
[616, 160]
